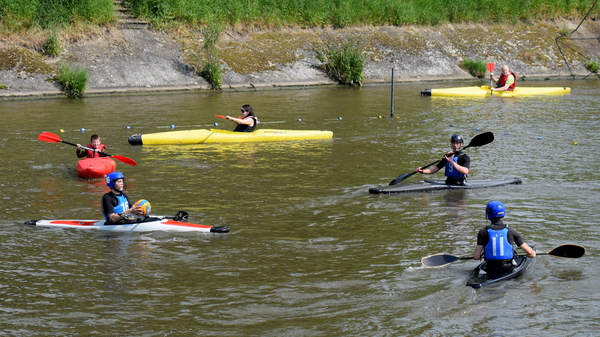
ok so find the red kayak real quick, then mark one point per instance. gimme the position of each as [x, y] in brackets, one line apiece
[95, 167]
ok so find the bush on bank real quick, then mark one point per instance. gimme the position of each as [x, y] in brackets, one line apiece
[73, 80]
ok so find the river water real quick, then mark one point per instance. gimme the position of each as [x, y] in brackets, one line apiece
[310, 252]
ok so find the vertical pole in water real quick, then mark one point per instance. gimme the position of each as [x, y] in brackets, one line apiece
[392, 103]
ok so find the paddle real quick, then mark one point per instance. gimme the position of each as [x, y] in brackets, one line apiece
[490, 67]
[479, 140]
[440, 260]
[221, 116]
[54, 138]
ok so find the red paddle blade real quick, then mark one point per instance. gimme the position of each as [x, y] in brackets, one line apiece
[125, 160]
[221, 116]
[49, 137]
[490, 67]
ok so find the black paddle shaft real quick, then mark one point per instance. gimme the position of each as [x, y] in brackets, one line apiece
[87, 148]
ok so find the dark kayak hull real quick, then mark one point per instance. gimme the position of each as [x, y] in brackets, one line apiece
[480, 279]
[434, 185]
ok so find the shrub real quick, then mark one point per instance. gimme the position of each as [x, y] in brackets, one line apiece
[476, 68]
[3, 86]
[592, 66]
[52, 45]
[73, 80]
[211, 72]
[343, 64]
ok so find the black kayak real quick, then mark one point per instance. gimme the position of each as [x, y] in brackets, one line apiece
[434, 185]
[479, 279]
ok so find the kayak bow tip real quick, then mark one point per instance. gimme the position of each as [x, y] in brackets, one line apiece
[219, 229]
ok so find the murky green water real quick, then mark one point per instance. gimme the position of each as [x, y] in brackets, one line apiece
[311, 252]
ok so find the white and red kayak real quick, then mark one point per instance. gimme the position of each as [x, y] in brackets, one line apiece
[95, 167]
[148, 225]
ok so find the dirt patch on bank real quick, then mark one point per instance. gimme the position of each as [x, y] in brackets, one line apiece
[125, 60]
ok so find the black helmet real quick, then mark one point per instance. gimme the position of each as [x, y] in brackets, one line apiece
[456, 138]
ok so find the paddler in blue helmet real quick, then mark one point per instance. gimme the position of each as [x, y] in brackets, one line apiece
[115, 203]
[495, 242]
[455, 162]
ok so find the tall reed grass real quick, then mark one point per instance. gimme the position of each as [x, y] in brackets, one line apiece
[476, 68]
[344, 64]
[342, 13]
[17, 15]
[73, 80]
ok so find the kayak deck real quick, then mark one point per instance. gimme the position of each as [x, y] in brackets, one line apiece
[479, 279]
[484, 91]
[204, 136]
[429, 185]
[95, 167]
[148, 225]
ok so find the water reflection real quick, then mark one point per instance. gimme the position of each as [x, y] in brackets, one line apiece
[306, 234]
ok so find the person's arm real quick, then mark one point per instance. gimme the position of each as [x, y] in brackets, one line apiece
[81, 153]
[464, 170]
[434, 169]
[110, 210]
[246, 121]
[528, 250]
[428, 171]
[478, 253]
[509, 81]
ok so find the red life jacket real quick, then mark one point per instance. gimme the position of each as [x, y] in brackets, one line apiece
[94, 154]
[502, 81]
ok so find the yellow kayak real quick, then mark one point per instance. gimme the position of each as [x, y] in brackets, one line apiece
[484, 91]
[204, 136]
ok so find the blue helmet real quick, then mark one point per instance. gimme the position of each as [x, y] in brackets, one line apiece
[495, 209]
[112, 177]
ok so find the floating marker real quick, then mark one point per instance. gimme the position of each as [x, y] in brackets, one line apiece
[216, 124]
[172, 126]
[128, 127]
[61, 130]
[506, 133]
[82, 129]
[378, 116]
[450, 125]
[339, 118]
[539, 138]
[575, 143]
[299, 119]
[476, 129]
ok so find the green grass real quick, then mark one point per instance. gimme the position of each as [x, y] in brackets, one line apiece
[52, 45]
[73, 80]
[18, 15]
[592, 66]
[342, 13]
[476, 68]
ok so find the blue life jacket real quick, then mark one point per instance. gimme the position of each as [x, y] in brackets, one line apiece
[498, 247]
[121, 207]
[452, 172]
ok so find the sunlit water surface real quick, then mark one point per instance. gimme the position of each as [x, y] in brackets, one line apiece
[310, 252]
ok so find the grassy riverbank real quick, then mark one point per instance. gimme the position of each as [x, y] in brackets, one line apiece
[23, 15]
